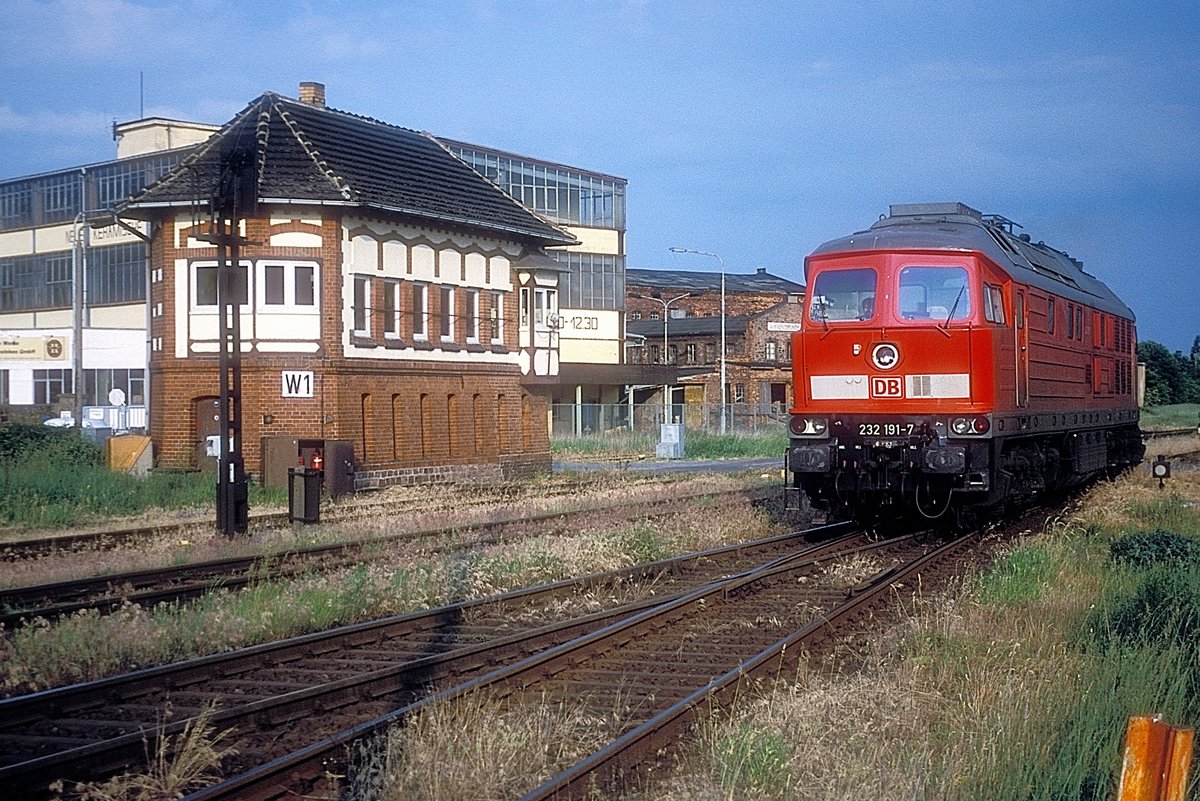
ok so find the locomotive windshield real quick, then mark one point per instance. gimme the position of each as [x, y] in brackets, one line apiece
[839, 295]
[934, 293]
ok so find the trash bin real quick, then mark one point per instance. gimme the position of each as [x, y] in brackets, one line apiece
[304, 494]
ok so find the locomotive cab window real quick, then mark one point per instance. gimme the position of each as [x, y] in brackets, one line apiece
[841, 295]
[934, 293]
[993, 304]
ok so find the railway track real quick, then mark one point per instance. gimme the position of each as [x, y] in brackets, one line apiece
[283, 696]
[132, 536]
[672, 657]
[185, 582]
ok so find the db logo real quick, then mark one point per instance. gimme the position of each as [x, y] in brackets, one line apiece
[887, 386]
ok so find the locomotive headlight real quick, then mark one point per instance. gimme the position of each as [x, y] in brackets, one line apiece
[966, 426]
[808, 426]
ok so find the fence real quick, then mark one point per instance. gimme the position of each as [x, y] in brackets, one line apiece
[571, 420]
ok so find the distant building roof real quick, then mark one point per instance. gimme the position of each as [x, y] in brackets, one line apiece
[686, 326]
[689, 280]
[307, 153]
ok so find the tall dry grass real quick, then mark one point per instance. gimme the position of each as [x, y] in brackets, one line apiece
[400, 579]
[1014, 685]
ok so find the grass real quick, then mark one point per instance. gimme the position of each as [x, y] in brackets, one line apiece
[1179, 415]
[399, 579]
[481, 746]
[56, 484]
[176, 766]
[1015, 685]
[623, 444]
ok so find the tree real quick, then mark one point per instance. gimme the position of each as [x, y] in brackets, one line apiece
[1170, 377]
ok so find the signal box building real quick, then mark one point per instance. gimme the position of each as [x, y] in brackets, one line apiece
[390, 297]
[674, 319]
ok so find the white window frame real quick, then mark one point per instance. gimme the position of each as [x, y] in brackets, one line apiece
[392, 289]
[360, 312]
[472, 302]
[289, 305]
[420, 311]
[447, 319]
[194, 285]
[498, 318]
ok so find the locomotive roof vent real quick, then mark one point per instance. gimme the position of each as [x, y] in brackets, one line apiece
[933, 210]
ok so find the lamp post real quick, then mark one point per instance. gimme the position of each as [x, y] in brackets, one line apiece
[722, 263]
[666, 304]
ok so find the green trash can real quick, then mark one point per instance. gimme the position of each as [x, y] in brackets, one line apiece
[304, 495]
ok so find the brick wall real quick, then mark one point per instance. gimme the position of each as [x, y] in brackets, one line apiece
[408, 420]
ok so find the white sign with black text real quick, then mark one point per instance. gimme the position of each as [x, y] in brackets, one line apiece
[297, 384]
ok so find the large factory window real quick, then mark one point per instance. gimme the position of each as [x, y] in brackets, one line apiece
[50, 385]
[594, 280]
[117, 273]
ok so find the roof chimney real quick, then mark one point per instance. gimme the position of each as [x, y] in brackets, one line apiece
[312, 93]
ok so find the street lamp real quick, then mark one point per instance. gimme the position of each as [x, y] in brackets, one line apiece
[722, 263]
[665, 358]
[665, 304]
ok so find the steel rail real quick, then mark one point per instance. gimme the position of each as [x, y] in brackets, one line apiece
[11, 550]
[663, 728]
[184, 582]
[281, 777]
[122, 751]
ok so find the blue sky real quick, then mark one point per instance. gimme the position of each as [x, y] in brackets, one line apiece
[756, 130]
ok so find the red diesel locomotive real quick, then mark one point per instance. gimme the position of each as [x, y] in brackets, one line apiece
[948, 364]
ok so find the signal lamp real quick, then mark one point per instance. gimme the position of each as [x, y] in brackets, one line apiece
[964, 426]
[808, 426]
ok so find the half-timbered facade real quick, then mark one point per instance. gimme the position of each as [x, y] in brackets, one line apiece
[390, 296]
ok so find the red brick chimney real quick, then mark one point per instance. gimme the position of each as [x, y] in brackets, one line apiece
[312, 93]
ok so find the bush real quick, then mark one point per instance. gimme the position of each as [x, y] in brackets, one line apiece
[58, 445]
[1144, 549]
[1157, 605]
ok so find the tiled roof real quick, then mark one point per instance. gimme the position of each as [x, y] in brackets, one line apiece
[311, 154]
[686, 326]
[694, 281]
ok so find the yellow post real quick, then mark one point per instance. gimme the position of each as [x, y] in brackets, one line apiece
[1157, 760]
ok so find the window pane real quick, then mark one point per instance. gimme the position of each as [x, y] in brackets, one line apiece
[841, 294]
[273, 285]
[206, 285]
[938, 293]
[305, 285]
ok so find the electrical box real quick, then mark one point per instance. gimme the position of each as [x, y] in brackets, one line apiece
[334, 458]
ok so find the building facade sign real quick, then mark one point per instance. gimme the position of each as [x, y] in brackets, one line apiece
[33, 348]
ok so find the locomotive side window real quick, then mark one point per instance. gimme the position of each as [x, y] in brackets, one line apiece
[939, 293]
[993, 304]
[840, 295]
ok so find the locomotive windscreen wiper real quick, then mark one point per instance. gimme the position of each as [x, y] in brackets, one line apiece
[953, 309]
